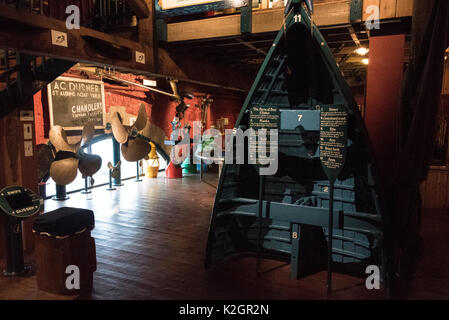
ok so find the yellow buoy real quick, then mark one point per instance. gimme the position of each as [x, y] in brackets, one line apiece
[153, 163]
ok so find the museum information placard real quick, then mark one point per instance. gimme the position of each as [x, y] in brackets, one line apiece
[333, 139]
[263, 117]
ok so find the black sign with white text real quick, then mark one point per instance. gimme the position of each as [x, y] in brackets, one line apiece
[268, 118]
[333, 139]
[74, 102]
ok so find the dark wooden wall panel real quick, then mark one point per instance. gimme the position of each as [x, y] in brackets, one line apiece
[384, 79]
[2, 183]
[435, 191]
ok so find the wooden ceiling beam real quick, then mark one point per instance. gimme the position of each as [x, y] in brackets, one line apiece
[328, 14]
[191, 69]
[140, 8]
[32, 34]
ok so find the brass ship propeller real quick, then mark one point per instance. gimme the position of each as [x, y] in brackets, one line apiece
[134, 146]
[70, 158]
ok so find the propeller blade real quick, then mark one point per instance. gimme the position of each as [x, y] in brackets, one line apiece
[91, 181]
[142, 118]
[135, 150]
[115, 173]
[46, 158]
[89, 164]
[118, 129]
[64, 172]
[155, 133]
[88, 132]
[58, 139]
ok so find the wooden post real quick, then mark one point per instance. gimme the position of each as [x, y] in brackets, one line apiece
[384, 81]
[147, 33]
[26, 168]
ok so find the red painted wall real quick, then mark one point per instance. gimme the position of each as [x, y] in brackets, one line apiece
[384, 80]
[160, 109]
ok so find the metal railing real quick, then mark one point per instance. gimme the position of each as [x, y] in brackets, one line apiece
[96, 14]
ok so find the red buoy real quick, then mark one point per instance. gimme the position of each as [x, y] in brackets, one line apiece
[173, 172]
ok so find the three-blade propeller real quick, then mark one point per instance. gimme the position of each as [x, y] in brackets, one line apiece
[133, 147]
[71, 157]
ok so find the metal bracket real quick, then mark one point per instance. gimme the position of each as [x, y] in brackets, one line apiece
[246, 19]
[161, 30]
[356, 11]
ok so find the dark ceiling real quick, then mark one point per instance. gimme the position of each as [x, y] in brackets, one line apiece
[247, 55]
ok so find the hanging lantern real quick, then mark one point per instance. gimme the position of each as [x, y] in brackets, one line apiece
[153, 163]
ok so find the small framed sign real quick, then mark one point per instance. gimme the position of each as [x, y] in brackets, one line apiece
[333, 140]
[59, 38]
[74, 102]
[140, 57]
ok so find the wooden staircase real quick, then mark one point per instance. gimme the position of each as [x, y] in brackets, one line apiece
[23, 75]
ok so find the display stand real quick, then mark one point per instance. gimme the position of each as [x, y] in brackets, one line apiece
[110, 188]
[16, 204]
[61, 193]
[117, 182]
[333, 148]
[138, 173]
[260, 222]
[262, 117]
[86, 188]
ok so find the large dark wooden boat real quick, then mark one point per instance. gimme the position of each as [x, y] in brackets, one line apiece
[300, 77]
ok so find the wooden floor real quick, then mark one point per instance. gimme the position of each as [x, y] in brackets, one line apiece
[151, 239]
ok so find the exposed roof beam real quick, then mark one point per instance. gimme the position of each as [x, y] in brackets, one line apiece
[83, 45]
[139, 7]
[327, 14]
[93, 47]
[249, 45]
[354, 36]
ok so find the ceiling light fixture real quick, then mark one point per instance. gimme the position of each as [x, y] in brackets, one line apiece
[362, 51]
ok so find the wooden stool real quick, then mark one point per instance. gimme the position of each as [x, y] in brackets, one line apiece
[59, 246]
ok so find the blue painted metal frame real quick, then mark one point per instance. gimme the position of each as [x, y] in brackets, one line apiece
[296, 199]
[356, 11]
[246, 18]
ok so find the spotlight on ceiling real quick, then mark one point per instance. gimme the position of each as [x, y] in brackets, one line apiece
[362, 51]
[365, 61]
